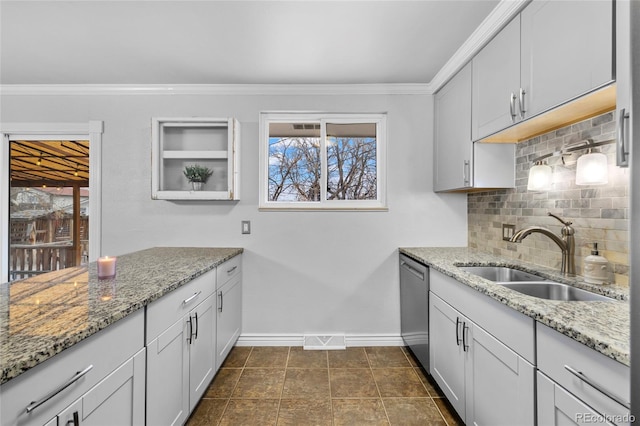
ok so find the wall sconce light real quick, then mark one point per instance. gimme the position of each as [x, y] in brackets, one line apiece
[591, 168]
[540, 177]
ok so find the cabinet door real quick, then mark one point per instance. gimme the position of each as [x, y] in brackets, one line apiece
[556, 406]
[496, 82]
[452, 145]
[202, 349]
[168, 376]
[623, 80]
[229, 318]
[446, 351]
[566, 51]
[500, 384]
[116, 400]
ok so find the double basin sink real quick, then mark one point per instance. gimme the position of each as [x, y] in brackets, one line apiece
[532, 284]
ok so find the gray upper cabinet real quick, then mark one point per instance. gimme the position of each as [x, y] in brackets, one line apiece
[550, 54]
[566, 51]
[452, 148]
[460, 164]
[496, 82]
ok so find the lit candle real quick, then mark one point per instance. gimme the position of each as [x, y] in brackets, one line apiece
[106, 267]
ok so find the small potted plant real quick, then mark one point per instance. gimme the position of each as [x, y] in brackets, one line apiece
[197, 175]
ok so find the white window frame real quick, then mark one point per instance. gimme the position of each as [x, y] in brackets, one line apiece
[91, 131]
[379, 119]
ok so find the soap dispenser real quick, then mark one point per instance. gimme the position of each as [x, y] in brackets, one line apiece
[596, 267]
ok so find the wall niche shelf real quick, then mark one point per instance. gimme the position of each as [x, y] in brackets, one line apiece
[210, 142]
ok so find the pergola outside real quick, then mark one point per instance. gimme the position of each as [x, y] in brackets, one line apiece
[47, 234]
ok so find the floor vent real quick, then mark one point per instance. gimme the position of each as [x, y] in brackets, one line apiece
[324, 342]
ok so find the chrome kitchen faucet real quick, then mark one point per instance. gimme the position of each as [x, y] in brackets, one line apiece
[566, 243]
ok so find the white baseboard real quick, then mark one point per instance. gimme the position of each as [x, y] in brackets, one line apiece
[353, 340]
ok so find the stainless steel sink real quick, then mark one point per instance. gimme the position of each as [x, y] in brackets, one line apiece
[501, 273]
[555, 291]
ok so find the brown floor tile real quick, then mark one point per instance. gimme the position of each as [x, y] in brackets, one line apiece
[299, 358]
[429, 383]
[352, 383]
[414, 362]
[348, 358]
[268, 356]
[250, 412]
[387, 356]
[308, 412]
[399, 382]
[223, 383]
[449, 414]
[413, 411]
[208, 412]
[306, 383]
[260, 383]
[237, 357]
[358, 412]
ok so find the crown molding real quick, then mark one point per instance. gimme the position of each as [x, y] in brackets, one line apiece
[493, 23]
[213, 89]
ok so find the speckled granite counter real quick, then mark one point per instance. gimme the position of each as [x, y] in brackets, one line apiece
[603, 326]
[46, 314]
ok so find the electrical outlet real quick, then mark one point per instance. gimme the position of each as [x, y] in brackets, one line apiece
[508, 231]
[246, 227]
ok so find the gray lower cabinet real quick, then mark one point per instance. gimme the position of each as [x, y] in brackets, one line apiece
[577, 385]
[486, 381]
[117, 400]
[229, 308]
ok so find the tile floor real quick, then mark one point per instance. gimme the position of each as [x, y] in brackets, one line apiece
[291, 386]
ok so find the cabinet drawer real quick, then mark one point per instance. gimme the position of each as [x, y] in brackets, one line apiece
[558, 353]
[509, 326]
[120, 341]
[228, 270]
[162, 313]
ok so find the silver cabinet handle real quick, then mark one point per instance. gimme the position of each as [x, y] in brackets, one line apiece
[196, 336]
[221, 300]
[190, 299]
[465, 327]
[190, 337]
[35, 404]
[521, 102]
[597, 387]
[458, 322]
[76, 419]
[413, 270]
[466, 171]
[621, 149]
[231, 270]
[512, 107]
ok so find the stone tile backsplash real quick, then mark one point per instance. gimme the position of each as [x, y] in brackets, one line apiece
[599, 213]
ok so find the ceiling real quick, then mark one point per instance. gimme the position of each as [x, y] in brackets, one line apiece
[232, 42]
[50, 163]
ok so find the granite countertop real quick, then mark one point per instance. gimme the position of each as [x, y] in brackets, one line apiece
[46, 314]
[603, 326]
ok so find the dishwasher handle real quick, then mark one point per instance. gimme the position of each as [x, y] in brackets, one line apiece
[414, 271]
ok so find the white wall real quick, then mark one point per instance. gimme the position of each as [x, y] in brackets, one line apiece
[303, 271]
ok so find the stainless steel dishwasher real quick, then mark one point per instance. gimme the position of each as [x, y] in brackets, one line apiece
[414, 308]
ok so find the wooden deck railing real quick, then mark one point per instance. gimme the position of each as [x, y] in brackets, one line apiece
[26, 260]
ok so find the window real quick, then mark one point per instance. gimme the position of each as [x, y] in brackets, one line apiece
[322, 161]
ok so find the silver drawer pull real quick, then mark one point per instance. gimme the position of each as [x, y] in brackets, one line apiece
[35, 404]
[188, 300]
[597, 387]
[232, 269]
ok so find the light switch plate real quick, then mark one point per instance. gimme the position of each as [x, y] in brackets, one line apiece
[246, 227]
